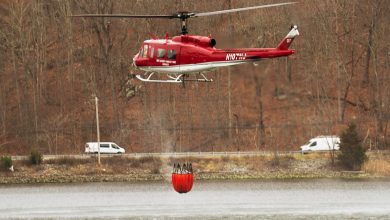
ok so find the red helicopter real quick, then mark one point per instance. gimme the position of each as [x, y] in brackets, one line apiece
[181, 56]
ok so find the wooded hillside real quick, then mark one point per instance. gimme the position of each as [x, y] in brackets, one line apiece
[52, 65]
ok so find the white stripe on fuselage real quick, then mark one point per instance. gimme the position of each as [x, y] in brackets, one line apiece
[193, 68]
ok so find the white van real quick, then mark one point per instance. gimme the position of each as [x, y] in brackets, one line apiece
[322, 143]
[105, 148]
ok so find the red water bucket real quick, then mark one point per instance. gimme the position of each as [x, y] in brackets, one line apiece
[182, 178]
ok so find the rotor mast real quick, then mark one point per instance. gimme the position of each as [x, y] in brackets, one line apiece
[183, 16]
[184, 26]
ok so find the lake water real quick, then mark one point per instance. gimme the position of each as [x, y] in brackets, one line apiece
[312, 199]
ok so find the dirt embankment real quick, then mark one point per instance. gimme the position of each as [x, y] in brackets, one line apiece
[114, 169]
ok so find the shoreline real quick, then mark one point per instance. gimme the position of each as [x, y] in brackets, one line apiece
[117, 169]
[201, 177]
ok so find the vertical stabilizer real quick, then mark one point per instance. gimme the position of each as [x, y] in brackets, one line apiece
[286, 42]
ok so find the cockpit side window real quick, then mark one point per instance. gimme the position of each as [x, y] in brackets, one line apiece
[160, 53]
[151, 52]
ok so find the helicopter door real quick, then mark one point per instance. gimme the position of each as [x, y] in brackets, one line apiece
[174, 57]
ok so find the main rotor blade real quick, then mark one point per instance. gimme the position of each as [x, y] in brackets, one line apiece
[239, 9]
[122, 16]
[181, 15]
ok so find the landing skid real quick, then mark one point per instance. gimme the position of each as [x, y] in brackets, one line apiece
[176, 78]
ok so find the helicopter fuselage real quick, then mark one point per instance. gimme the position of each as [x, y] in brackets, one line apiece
[188, 54]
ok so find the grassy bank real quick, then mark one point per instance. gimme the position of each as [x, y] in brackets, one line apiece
[118, 168]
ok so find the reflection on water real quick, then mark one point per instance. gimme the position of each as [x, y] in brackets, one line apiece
[314, 199]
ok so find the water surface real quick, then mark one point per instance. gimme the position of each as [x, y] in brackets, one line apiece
[314, 199]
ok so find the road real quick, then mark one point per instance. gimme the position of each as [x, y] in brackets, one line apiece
[167, 154]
